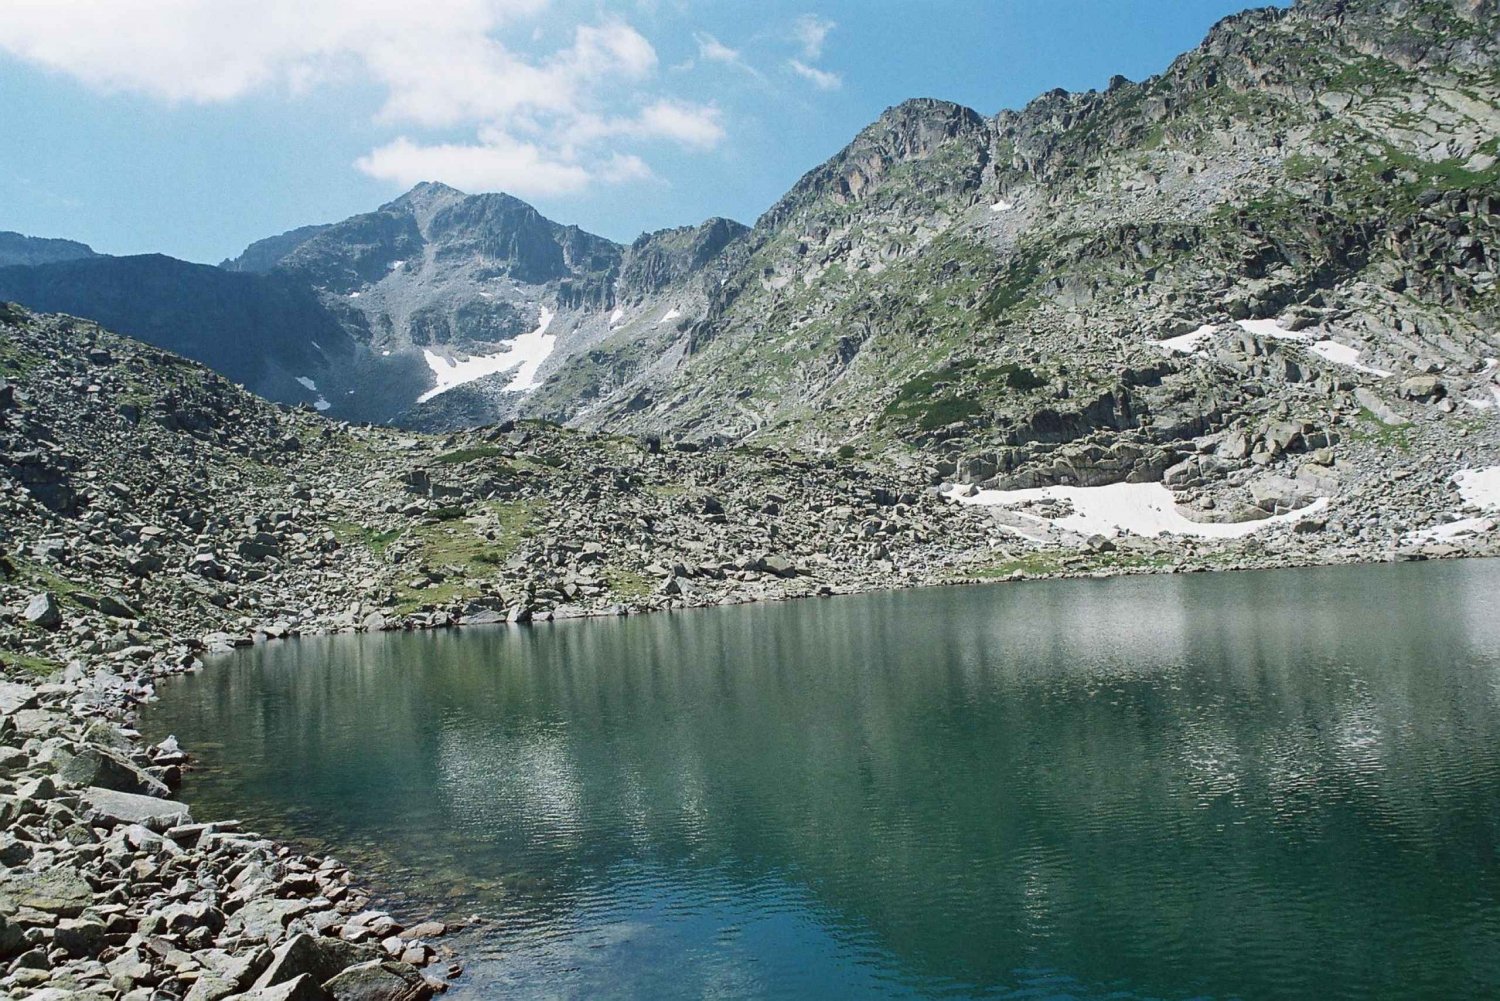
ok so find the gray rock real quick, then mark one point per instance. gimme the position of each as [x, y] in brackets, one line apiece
[43, 611]
[379, 981]
[110, 807]
[60, 891]
[303, 988]
[79, 937]
[321, 957]
[93, 766]
[14, 697]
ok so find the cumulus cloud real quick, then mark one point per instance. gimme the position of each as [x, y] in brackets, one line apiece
[497, 161]
[822, 79]
[441, 65]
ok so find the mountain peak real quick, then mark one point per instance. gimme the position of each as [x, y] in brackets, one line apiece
[425, 200]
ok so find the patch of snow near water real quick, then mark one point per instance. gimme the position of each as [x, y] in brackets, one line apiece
[672, 314]
[525, 354]
[1480, 487]
[1147, 509]
[320, 404]
[1463, 528]
[307, 384]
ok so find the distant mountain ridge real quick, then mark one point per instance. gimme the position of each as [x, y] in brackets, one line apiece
[982, 290]
[16, 249]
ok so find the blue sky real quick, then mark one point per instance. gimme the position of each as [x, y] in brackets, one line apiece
[192, 127]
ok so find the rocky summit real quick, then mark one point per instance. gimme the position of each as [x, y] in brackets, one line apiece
[1242, 314]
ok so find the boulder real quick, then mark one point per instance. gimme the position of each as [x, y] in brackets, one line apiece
[321, 958]
[778, 565]
[110, 807]
[58, 891]
[303, 988]
[94, 766]
[79, 937]
[1277, 494]
[14, 697]
[43, 611]
[379, 981]
[1422, 388]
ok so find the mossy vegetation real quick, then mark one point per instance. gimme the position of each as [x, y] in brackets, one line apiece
[956, 392]
[25, 666]
[627, 585]
[375, 540]
[1372, 429]
[466, 550]
[1012, 286]
[470, 454]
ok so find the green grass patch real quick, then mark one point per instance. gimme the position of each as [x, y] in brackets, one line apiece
[1373, 430]
[25, 666]
[627, 585]
[468, 546]
[16, 361]
[1011, 287]
[471, 454]
[349, 534]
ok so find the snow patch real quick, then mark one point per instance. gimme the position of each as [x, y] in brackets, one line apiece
[396, 265]
[616, 316]
[1480, 487]
[1328, 350]
[1139, 508]
[385, 354]
[525, 354]
[321, 404]
[307, 384]
[1268, 328]
[1463, 528]
[354, 295]
[671, 314]
[1002, 206]
[1343, 354]
[1187, 344]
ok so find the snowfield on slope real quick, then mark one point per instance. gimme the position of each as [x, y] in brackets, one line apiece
[1327, 349]
[1147, 509]
[525, 354]
[1480, 487]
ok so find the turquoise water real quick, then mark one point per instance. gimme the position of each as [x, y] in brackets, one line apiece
[1269, 785]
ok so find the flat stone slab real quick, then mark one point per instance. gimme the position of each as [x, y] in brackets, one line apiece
[14, 697]
[159, 815]
[58, 891]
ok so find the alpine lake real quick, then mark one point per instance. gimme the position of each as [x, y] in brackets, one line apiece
[1279, 784]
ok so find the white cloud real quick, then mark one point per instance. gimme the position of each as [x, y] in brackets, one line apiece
[695, 126]
[810, 31]
[822, 79]
[713, 50]
[692, 125]
[441, 64]
[497, 162]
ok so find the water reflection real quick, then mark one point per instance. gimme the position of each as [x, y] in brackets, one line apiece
[1253, 785]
